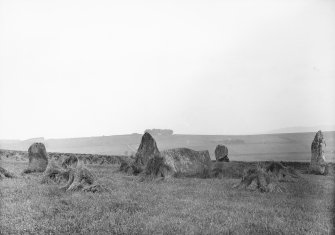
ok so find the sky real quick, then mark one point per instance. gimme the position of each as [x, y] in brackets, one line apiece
[92, 68]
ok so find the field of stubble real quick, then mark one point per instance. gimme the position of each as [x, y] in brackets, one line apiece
[174, 206]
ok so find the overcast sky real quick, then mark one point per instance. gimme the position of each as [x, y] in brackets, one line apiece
[91, 68]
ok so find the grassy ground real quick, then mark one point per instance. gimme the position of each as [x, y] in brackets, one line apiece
[175, 206]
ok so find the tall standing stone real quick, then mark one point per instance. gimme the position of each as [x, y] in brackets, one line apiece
[38, 158]
[221, 153]
[146, 151]
[318, 161]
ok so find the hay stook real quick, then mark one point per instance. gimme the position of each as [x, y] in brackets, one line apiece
[5, 174]
[72, 178]
[267, 178]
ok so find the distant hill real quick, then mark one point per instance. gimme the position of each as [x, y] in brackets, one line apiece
[278, 147]
[301, 129]
[33, 140]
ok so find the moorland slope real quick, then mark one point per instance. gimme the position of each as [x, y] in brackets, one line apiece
[278, 147]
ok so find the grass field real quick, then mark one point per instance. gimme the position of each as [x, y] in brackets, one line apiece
[174, 206]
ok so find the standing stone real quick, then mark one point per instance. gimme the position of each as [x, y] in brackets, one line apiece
[318, 161]
[38, 158]
[146, 151]
[186, 161]
[221, 153]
